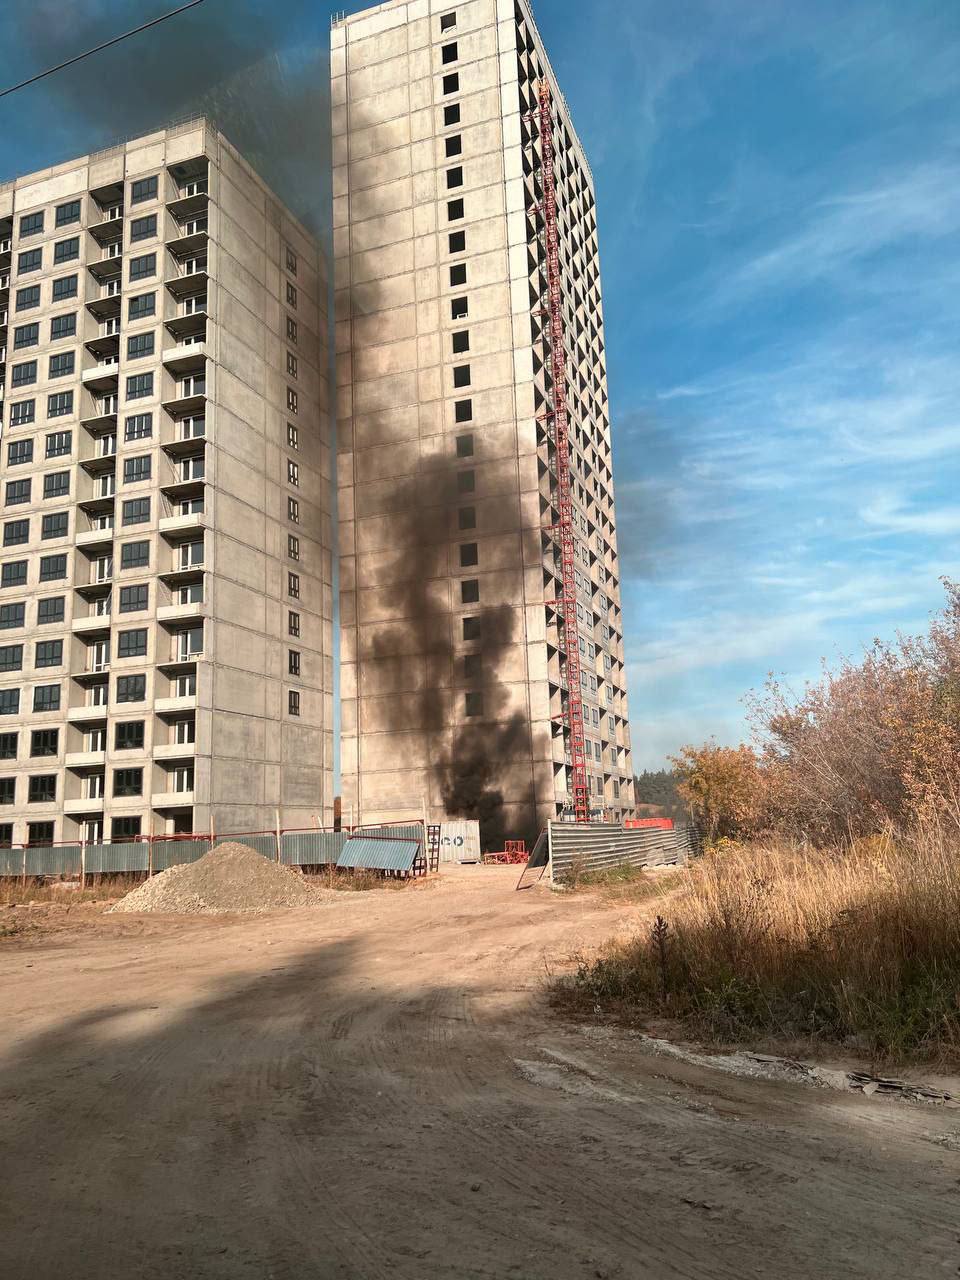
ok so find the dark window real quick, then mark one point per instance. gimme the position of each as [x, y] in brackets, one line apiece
[29, 260]
[132, 644]
[293, 623]
[139, 426]
[453, 146]
[6, 834]
[66, 250]
[143, 304]
[291, 261]
[293, 662]
[466, 481]
[44, 742]
[291, 329]
[55, 525]
[143, 189]
[63, 326]
[465, 446]
[24, 374]
[17, 491]
[8, 792]
[293, 510]
[293, 702]
[65, 287]
[451, 113]
[13, 573]
[473, 703]
[60, 404]
[59, 444]
[139, 385]
[29, 297]
[454, 177]
[448, 52]
[136, 511]
[291, 294]
[46, 697]
[460, 341]
[137, 469]
[40, 833]
[42, 788]
[11, 657]
[140, 344]
[67, 213]
[457, 241]
[62, 365]
[292, 402]
[461, 375]
[131, 688]
[11, 616]
[143, 267]
[26, 335]
[56, 484]
[9, 702]
[16, 532]
[19, 452]
[454, 210]
[50, 610]
[447, 20]
[469, 591]
[469, 555]
[133, 599]
[143, 228]
[22, 412]
[458, 275]
[451, 83]
[463, 410]
[8, 746]
[31, 224]
[134, 555]
[48, 653]
[293, 546]
[293, 585]
[52, 568]
[127, 782]
[467, 517]
[124, 828]
[129, 735]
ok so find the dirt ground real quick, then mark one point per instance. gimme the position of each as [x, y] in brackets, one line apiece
[374, 1088]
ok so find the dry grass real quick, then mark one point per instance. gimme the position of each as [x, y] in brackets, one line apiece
[624, 883]
[857, 946]
[354, 881]
[66, 893]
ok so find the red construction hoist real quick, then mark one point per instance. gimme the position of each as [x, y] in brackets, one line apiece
[567, 607]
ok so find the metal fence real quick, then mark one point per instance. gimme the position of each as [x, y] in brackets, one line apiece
[309, 847]
[601, 845]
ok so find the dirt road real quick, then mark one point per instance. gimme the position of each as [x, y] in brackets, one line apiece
[373, 1089]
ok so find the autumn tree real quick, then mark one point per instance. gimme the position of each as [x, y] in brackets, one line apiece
[723, 788]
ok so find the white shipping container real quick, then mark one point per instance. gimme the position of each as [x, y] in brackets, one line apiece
[460, 841]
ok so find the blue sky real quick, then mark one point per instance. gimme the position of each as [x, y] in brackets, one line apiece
[779, 203]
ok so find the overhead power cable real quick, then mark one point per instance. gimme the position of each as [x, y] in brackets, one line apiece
[106, 45]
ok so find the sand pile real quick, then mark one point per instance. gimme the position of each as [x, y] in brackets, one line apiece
[231, 877]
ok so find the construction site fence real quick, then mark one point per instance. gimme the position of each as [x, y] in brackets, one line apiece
[308, 847]
[580, 849]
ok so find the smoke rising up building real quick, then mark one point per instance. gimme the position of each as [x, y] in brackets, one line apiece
[454, 676]
[165, 569]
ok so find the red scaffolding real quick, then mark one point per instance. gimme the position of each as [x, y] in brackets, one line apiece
[567, 606]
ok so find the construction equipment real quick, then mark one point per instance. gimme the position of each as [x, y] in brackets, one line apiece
[557, 416]
[513, 851]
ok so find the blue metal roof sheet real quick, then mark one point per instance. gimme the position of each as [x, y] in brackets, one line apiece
[379, 855]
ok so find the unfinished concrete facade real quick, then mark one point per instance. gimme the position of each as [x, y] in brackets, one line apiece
[166, 568]
[453, 687]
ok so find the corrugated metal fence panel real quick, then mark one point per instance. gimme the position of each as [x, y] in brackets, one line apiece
[57, 860]
[597, 846]
[460, 841]
[265, 844]
[379, 855]
[405, 831]
[11, 862]
[105, 858]
[171, 853]
[311, 848]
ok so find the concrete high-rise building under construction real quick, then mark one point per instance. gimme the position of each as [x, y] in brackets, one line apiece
[482, 661]
[166, 567]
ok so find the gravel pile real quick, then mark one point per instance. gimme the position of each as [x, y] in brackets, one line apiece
[231, 877]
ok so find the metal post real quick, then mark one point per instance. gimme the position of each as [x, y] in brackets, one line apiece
[212, 836]
[83, 857]
[279, 836]
[23, 878]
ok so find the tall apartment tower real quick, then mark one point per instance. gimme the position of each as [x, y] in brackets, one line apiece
[454, 638]
[165, 568]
